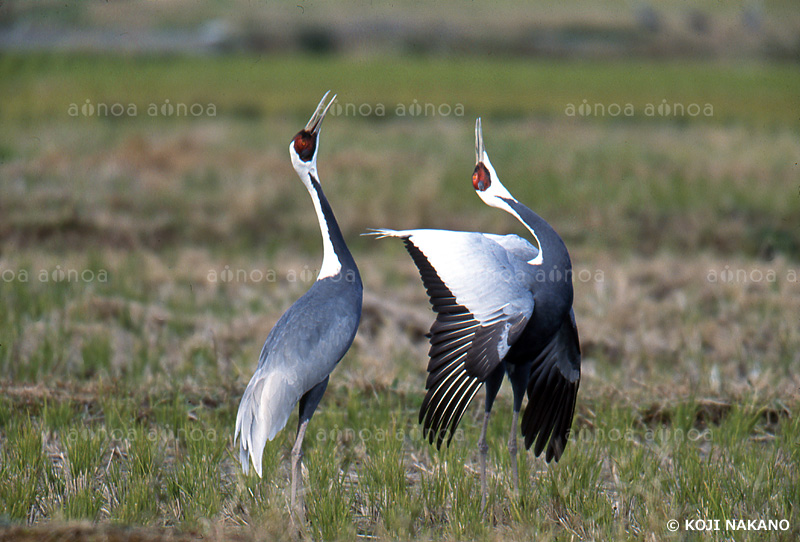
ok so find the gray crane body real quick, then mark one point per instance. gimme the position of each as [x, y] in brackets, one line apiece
[303, 348]
[310, 339]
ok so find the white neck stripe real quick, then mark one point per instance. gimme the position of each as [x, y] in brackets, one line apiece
[330, 261]
[540, 255]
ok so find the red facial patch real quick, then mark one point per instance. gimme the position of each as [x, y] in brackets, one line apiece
[304, 145]
[481, 179]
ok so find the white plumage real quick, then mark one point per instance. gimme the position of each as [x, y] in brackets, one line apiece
[498, 291]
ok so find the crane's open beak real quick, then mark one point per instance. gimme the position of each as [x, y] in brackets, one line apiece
[315, 122]
[479, 148]
[481, 178]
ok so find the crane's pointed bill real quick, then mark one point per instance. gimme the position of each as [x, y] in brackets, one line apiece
[479, 148]
[481, 178]
[315, 122]
[305, 142]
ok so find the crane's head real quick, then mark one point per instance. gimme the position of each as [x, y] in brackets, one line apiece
[484, 177]
[303, 148]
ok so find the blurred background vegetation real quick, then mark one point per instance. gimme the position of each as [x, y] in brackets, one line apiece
[604, 76]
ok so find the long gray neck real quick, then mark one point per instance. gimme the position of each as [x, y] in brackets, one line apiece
[553, 250]
[336, 256]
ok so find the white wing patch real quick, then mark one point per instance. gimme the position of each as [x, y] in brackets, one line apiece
[486, 276]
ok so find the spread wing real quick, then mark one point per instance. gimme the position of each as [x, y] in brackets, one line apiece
[478, 288]
[552, 389]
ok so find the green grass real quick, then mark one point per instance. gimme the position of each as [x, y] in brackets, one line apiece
[622, 475]
[22, 467]
[85, 449]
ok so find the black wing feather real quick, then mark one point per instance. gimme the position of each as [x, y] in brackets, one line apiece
[552, 390]
[451, 386]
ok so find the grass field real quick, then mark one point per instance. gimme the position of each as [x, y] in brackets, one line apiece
[144, 258]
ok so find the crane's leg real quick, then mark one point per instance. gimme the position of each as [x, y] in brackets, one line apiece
[492, 384]
[297, 472]
[512, 450]
[518, 374]
[483, 448]
[308, 404]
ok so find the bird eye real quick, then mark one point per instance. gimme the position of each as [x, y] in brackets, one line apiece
[304, 145]
[481, 178]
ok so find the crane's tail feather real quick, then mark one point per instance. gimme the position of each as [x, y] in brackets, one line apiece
[264, 410]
